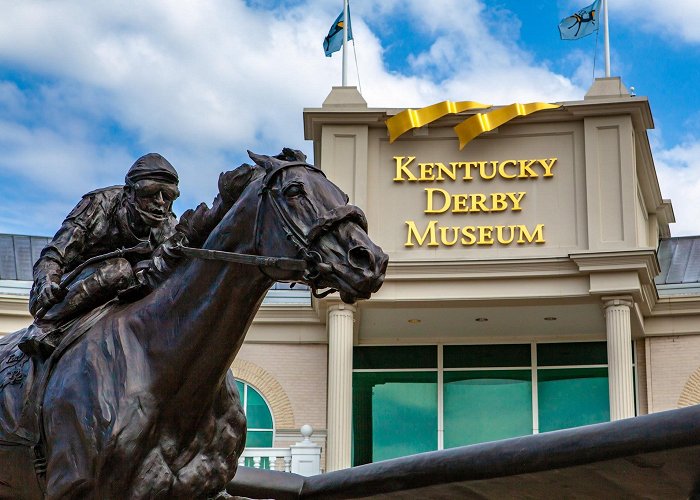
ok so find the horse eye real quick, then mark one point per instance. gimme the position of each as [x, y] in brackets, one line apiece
[294, 190]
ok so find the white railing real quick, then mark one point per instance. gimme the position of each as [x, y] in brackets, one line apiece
[303, 458]
[267, 458]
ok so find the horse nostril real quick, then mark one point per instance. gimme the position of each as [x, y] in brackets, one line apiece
[360, 258]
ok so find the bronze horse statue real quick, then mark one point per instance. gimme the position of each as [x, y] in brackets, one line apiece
[143, 404]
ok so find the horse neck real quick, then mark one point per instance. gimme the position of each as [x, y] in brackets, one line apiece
[199, 316]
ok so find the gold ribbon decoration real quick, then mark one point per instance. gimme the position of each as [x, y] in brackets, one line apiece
[409, 119]
[485, 122]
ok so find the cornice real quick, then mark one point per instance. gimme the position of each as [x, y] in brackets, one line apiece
[477, 269]
[677, 306]
[315, 118]
[289, 314]
[268, 313]
[644, 262]
[637, 107]
[14, 305]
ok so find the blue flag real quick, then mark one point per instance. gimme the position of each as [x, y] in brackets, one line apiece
[334, 39]
[581, 24]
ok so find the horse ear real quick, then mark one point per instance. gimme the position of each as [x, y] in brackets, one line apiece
[262, 160]
[289, 154]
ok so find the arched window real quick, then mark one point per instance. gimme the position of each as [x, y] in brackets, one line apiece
[260, 426]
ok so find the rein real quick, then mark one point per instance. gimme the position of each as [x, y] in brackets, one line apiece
[308, 266]
[311, 262]
[244, 258]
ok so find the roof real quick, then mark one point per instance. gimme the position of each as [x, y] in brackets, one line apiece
[18, 254]
[679, 259]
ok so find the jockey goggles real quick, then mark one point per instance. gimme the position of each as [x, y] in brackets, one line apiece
[146, 188]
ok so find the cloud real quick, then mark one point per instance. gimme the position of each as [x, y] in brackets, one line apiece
[676, 19]
[202, 81]
[678, 170]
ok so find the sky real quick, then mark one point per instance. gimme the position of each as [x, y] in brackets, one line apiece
[88, 86]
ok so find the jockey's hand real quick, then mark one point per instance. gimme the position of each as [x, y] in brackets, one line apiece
[51, 293]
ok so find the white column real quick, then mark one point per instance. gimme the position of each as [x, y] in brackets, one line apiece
[619, 333]
[340, 341]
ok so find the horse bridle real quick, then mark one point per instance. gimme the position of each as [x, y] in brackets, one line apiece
[311, 262]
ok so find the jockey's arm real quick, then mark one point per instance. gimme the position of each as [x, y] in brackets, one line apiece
[63, 252]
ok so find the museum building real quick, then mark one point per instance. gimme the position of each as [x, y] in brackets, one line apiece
[533, 284]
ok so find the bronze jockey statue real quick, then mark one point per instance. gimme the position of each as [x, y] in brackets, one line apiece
[136, 214]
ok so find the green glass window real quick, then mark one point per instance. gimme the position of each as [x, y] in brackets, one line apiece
[572, 353]
[486, 405]
[394, 415]
[488, 393]
[572, 397]
[260, 432]
[482, 356]
[390, 357]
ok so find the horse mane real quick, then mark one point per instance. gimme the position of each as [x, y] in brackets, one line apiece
[196, 225]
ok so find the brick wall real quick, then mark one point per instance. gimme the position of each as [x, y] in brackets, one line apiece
[672, 363]
[300, 370]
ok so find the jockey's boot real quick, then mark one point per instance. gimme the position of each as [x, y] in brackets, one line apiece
[95, 289]
[39, 342]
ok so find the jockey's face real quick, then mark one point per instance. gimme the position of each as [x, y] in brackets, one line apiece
[153, 200]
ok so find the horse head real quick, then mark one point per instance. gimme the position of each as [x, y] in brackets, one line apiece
[295, 199]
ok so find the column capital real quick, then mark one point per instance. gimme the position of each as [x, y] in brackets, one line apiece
[618, 300]
[342, 306]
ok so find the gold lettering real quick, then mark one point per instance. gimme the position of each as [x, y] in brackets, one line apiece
[442, 169]
[468, 235]
[525, 167]
[459, 205]
[527, 237]
[548, 166]
[429, 206]
[435, 235]
[502, 169]
[499, 234]
[426, 172]
[413, 233]
[516, 198]
[485, 235]
[498, 202]
[478, 203]
[402, 168]
[482, 170]
[467, 165]
[456, 165]
[443, 235]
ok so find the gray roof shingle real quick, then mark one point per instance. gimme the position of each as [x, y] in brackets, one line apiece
[18, 254]
[679, 259]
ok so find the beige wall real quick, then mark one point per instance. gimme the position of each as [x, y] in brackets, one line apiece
[301, 371]
[14, 313]
[558, 201]
[601, 197]
[671, 363]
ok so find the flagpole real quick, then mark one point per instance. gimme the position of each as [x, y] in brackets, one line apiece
[606, 39]
[345, 43]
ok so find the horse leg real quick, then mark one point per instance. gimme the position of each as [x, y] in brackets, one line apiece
[18, 479]
[70, 455]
